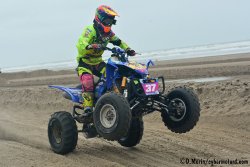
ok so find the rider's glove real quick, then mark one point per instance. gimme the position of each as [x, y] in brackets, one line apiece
[95, 47]
[130, 52]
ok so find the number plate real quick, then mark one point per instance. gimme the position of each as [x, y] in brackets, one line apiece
[150, 88]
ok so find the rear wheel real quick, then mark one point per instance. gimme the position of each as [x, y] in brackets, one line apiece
[183, 110]
[134, 135]
[62, 132]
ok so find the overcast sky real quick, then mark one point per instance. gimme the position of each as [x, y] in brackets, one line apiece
[42, 31]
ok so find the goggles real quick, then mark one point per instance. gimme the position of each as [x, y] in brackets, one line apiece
[108, 22]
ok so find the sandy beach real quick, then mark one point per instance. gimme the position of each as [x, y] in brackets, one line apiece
[223, 131]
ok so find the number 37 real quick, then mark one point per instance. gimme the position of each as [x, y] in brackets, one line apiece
[150, 88]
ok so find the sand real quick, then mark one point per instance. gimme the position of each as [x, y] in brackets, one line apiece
[223, 131]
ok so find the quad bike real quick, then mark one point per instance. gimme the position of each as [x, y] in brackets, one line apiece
[122, 98]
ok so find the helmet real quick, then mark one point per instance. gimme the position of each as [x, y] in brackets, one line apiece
[105, 18]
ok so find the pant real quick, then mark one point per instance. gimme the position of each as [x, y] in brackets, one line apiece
[86, 73]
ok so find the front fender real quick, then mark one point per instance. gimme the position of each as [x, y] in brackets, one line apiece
[150, 62]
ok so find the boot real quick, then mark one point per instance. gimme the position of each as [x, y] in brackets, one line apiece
[86, 116]
[87, 101]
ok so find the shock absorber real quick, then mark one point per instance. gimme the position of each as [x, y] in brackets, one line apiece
[123, 86]
[124, 82]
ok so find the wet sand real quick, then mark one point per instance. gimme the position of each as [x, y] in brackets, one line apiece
[223, 131]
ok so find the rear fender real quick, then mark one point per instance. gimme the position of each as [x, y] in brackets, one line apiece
[74, 93]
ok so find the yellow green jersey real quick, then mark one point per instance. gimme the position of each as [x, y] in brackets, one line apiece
[90, 36]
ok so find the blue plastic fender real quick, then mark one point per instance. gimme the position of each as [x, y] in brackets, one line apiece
[75, 93]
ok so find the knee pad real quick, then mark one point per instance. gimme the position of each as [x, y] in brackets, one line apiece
[87, 81]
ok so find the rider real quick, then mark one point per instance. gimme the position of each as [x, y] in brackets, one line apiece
[91, 46]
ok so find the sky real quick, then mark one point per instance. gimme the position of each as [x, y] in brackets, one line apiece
[43, 31]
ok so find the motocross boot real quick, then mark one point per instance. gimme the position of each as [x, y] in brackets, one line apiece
[87, 99]
[86, 116]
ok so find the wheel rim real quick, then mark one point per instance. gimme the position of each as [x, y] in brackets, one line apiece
[57, 132]
[178, 109]
[108, 116]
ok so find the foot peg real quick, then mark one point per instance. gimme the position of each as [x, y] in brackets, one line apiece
[88, 114]
[89, 131]
[85, 118]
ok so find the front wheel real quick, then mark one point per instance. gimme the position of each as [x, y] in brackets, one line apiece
[183, 110]
[62, 132]
[112, 116]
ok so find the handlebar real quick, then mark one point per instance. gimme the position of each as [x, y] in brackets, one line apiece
[116, 50]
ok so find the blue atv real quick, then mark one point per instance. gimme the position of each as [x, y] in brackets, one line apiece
[122, 98]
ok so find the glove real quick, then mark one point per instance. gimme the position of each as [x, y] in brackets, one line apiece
[130, 52]
[95, 47]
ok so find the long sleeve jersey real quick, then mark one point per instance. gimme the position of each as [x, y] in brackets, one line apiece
[90, 36]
